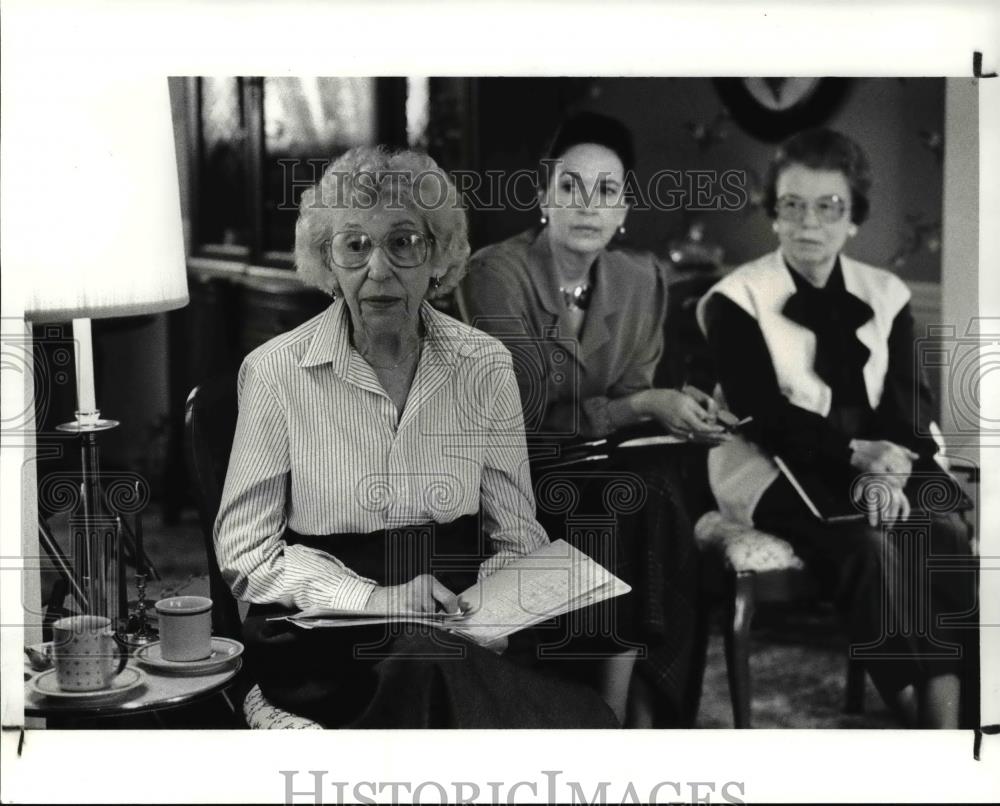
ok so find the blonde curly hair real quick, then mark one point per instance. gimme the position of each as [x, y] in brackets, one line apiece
[366, 177]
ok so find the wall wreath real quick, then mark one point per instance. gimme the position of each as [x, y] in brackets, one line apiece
[771, 109]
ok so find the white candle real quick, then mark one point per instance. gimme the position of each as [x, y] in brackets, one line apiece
[85, 395]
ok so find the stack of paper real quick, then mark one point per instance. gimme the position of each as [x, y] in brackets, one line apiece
[553, 580]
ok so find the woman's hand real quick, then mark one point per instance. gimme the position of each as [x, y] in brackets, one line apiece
[886, 458]
[886, 503]
[422, 594]
[683, 414]
[703, 399]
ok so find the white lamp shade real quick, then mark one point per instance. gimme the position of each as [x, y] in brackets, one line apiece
[92, 218]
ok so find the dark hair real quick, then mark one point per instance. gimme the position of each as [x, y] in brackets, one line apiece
[823, 150]
[589, 127]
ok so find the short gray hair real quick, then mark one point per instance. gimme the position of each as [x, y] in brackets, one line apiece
[364, 177]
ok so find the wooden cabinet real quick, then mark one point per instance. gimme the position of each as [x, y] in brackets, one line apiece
[268, 308]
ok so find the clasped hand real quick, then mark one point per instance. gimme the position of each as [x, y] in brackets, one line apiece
[888, 459]
[891, 466]
[689, 412]
[422, 594]
[884, 503]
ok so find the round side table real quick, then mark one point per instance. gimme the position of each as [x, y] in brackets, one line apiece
[158, 692]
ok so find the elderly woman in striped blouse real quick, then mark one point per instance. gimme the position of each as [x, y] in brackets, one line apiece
[375, 444]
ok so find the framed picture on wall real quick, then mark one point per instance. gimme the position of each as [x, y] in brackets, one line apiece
[771, 109]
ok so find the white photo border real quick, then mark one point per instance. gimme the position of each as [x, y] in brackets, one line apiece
[160, 39]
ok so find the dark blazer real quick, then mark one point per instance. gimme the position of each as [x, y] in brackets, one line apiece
[512, 292]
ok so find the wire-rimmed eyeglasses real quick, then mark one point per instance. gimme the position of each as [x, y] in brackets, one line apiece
[828, 209]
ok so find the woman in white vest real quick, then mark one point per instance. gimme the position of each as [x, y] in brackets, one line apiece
[818, 349]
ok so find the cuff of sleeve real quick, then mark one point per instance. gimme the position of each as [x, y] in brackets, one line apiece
[352, 593]
[513, 550]
[597, 416]
[923, 444]
[497, 561]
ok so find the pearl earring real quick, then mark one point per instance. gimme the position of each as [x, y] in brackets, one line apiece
[621, 231]
[544, 220]
[852, 230]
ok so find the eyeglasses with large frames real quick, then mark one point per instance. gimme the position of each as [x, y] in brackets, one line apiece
[828, 209]
[405, 248]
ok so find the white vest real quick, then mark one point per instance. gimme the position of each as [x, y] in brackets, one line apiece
[739, 471]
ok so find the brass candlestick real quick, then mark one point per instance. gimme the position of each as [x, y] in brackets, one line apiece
[139, 630]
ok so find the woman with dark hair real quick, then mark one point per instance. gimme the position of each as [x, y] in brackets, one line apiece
[584, 320]
[566, 280]
[818, 349]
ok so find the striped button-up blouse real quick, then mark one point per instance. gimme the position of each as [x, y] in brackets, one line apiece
[320, 448]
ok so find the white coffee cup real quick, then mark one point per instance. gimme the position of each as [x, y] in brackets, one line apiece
[185, 627]
[85, 653]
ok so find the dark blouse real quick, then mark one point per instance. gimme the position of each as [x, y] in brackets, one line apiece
[750, 384]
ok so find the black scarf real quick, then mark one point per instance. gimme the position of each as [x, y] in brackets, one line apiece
[834, 315]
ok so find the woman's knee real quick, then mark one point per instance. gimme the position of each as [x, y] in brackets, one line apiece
[865, 543]
[950, 535]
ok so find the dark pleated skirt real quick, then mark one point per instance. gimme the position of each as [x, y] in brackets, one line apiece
[629, 514]
[404, 676]
[907, 593]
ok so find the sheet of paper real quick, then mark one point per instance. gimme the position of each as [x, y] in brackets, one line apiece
[332, 613]
[319, 621]
[328, 617]
[553, 580]
[646, 442]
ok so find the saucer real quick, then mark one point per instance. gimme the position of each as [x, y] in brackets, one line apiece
[46, 685]
[223, 651]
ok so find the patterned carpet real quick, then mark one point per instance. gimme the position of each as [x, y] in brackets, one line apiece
[798, 670]
[798, 663]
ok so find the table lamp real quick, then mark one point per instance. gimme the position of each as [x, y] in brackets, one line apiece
[92, 221]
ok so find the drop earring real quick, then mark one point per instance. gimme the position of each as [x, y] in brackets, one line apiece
[435, 283]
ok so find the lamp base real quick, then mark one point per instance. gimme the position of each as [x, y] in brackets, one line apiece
[96, 532]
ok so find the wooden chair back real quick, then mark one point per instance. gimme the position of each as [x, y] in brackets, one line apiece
[209, 427]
